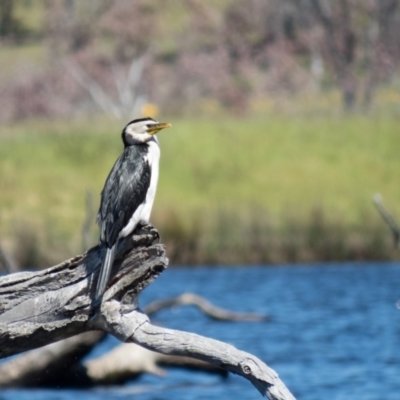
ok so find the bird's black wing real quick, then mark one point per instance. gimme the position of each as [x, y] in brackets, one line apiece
[125, 189]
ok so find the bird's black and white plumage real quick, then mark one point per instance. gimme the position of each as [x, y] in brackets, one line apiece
[129, 191]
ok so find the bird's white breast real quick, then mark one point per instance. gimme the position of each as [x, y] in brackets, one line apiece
[143, 212]
[153, 158]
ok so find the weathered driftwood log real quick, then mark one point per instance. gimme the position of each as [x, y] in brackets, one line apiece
[40, 308]
[60, 364]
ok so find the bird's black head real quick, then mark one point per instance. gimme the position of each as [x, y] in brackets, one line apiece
[141, 130]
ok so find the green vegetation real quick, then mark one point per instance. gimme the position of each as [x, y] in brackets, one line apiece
[230, 190]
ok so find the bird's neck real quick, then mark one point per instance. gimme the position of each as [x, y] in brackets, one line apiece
[153, 139]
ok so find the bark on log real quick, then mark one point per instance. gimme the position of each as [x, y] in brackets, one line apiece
[57, 303]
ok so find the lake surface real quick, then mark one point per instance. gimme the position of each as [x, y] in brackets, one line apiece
[334, 333]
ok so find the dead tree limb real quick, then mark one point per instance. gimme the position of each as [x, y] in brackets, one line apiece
[38, 308]
[209, 309]
[388, 219]
[7, 262]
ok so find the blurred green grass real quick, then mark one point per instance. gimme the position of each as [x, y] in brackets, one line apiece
[283, 165]
[274, 170]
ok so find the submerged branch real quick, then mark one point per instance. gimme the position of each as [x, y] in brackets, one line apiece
[205, 306]
[51, 365]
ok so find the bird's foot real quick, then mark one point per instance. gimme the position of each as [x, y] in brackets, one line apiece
[148, 228]
[141, 225]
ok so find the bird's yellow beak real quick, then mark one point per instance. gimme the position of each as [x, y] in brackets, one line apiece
[155, 128]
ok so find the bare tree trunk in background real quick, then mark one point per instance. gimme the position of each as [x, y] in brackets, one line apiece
[379, 47]
[6, 17]
[341, 45]
[360, 44]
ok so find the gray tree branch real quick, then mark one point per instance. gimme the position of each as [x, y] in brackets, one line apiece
[96, 92]
[129, 86]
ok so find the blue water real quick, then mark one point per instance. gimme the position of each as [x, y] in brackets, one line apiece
[334, 333]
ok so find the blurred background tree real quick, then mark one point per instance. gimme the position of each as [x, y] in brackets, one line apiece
[10, 26]
[358, 43]
[254, 88]
[232, 53]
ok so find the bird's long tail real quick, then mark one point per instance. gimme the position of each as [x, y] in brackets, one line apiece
[105, 271]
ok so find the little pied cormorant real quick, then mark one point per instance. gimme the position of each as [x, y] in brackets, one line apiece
[129, 191]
